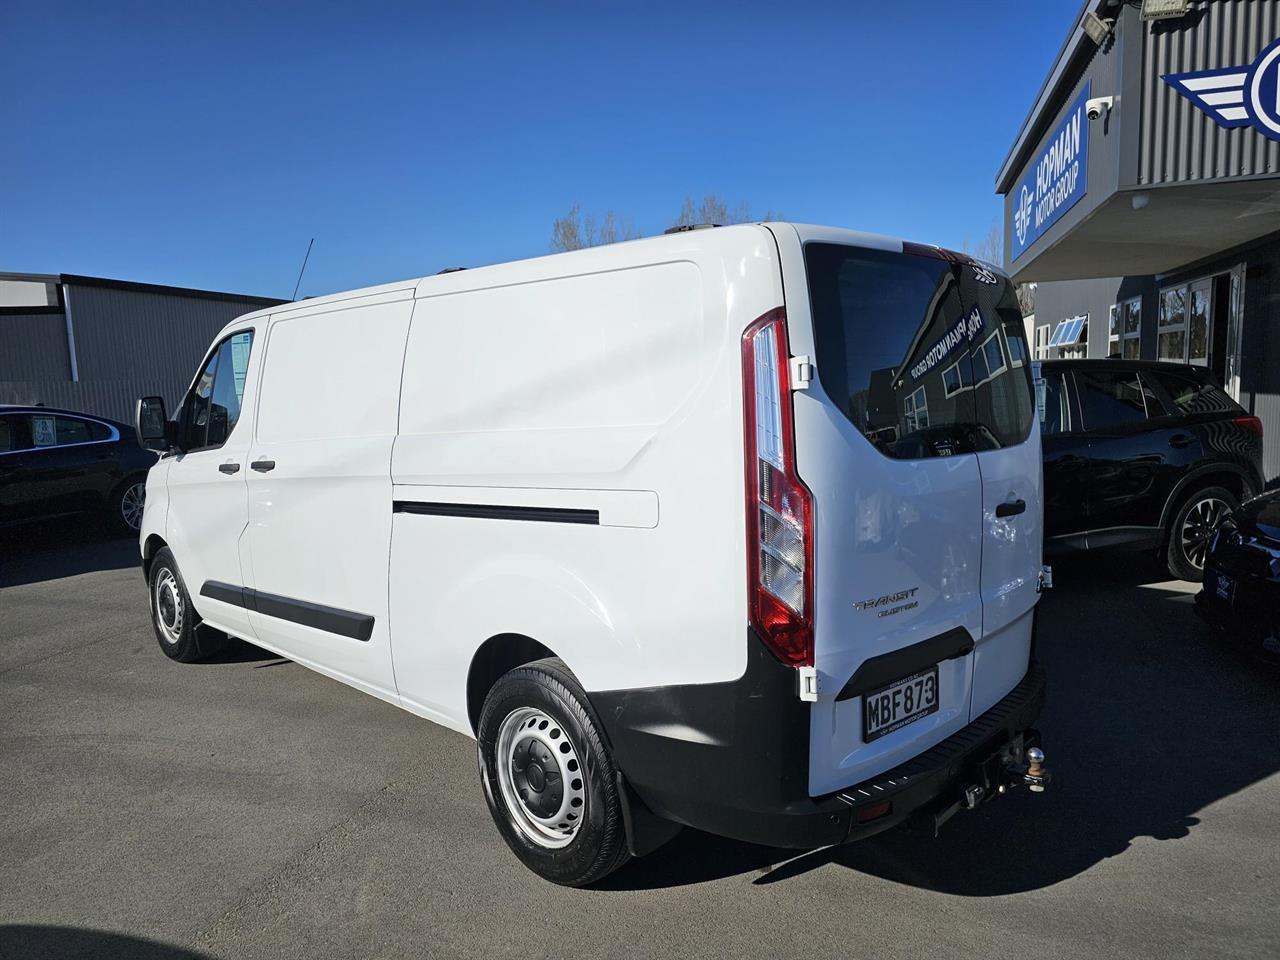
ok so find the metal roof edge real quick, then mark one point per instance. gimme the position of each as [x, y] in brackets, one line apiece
[136, 286]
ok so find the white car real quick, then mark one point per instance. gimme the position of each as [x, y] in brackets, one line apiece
[737, 528]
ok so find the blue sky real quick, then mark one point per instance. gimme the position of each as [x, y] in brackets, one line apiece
[203, 144]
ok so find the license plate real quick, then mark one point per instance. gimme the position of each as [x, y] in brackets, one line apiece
[904, 701]
[1224, 587]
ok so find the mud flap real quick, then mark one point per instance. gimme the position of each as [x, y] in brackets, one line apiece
[646, 831]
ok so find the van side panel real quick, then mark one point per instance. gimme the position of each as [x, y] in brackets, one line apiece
[320, 516]
[604, 383]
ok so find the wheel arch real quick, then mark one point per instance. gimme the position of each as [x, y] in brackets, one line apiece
[498, 655]
[1226, 475]
[152, 545]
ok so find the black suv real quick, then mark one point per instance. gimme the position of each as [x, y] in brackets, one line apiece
[1142, 455]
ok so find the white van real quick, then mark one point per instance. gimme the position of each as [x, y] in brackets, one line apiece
[737, 528]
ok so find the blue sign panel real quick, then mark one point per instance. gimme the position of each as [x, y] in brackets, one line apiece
[1057, 179]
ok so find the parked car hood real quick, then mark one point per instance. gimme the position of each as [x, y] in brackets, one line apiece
[1260, 516]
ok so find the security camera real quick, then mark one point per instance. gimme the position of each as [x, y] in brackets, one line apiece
[1096, 107]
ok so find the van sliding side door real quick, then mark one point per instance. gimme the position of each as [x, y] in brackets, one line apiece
[319, 477]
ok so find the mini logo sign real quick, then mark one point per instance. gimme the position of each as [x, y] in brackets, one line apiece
[982, 274]
[1056, 179]
[1244, 96]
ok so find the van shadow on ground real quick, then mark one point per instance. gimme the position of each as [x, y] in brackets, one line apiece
[40, 942]
[1150, 719]
[52, 549]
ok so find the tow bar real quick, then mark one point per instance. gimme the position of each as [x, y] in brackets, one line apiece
[1011, 767]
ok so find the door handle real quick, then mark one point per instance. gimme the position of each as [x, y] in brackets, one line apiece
[262, 466]
[1011, 508]
[229, 467]
[1179, 440]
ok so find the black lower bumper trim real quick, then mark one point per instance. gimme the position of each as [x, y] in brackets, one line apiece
[732, 758]
[948, 766]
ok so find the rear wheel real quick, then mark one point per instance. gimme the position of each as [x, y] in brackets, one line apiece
[178, 629]
[548, 777]
[1192, 528]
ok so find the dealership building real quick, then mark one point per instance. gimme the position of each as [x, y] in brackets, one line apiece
[1142, 194]
[96, 345]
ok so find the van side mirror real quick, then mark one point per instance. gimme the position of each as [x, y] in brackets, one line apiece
[152, 424]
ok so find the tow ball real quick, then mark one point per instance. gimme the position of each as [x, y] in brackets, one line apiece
[1032, 774]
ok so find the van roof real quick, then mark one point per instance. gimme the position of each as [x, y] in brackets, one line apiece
[807, 232]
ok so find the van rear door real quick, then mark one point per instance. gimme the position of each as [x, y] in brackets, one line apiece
[887, 440]
[1010, 463]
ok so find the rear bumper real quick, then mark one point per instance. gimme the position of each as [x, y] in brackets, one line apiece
[732, 758]
[1251, 612]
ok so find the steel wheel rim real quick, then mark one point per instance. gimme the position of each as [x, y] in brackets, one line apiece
[540, 778]
[131, 504]
[168, 606]
[1198, 526]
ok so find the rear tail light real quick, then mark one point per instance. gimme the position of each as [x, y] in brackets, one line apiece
[1252, 424]
[779, 506]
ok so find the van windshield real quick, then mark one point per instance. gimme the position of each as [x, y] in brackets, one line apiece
[925, 356]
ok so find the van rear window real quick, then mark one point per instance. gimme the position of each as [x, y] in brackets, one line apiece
[926, 357]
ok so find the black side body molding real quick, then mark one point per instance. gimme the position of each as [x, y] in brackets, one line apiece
[895, 665]
[344, 623]
[483, 511]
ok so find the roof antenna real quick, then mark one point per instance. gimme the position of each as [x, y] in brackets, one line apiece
[303, 270]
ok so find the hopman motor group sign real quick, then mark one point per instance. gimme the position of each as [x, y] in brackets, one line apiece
[1056, 180]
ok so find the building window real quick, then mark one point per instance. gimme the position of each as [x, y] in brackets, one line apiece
[956, 378]
[1171, 342]
[1071, 337]
[1198, 323]
[916, 411]
[1132, 348]
[1125, 338]
[1042, 341]
[988, 359]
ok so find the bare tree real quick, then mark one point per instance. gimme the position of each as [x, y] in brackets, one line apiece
[714, 209]
[991, 249]
[576, 230]
[1027, 298]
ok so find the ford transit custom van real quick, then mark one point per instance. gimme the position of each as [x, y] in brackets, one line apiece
[735, 528]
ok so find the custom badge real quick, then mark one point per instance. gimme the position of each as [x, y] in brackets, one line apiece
[1244, 96]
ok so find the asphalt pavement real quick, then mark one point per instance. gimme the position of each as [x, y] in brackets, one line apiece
[249, 808]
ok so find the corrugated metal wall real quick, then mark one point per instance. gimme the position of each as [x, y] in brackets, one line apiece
[33, 346]
[129, 343]
[149, 335]
[114, 399]
[1179, 142]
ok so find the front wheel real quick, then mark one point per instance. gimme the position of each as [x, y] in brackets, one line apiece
[1192, 529]
[548, 777]
[178, 629]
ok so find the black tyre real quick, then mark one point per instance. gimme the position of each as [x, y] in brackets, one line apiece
[1192, 528]
[124, 505]
[178, 629]
[548, 776]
